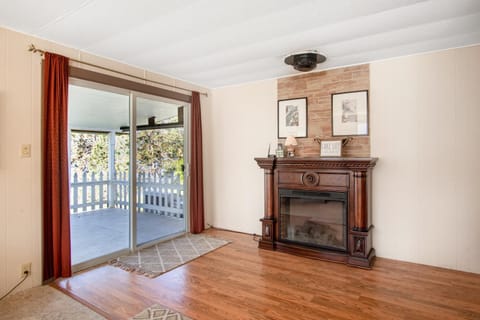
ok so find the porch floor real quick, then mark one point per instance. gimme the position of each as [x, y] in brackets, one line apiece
[101, 232]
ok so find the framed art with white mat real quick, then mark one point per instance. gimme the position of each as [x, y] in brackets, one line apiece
[350, 113]
[292, 118]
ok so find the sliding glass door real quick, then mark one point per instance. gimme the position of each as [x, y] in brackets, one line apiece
[160, 138]
[127, 187]
[99, 171]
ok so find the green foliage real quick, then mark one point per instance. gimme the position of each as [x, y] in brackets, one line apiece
[89, 152]
[179, 169]
[158, 151]
[99, 158]
[122, 152]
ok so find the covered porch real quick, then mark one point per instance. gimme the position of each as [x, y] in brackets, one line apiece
[100, 232]
[99, 212]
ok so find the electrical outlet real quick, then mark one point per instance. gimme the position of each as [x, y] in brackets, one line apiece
[26, 269]
[26, 151]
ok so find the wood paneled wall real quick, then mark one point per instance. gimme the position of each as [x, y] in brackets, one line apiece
[318, 87]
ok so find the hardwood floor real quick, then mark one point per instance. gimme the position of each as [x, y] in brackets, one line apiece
[239, 281]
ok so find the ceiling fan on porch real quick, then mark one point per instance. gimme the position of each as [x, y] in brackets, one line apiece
[152, 124]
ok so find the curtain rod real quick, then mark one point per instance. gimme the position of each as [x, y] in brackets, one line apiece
[33, 49]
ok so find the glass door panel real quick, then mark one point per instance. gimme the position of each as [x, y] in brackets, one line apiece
[99, 172]
[160, 192]
[127, 184]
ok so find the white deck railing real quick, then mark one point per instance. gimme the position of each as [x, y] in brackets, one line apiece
[157, 194]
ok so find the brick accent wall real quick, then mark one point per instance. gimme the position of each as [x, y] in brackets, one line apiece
[318, 87]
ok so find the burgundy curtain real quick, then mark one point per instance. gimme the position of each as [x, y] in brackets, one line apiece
[196, 168]
[56, 210]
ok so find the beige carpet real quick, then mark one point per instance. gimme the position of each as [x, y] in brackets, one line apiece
[159, 312]
[44, 303]
[165, 256]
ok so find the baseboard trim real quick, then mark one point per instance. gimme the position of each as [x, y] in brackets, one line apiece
[234, 231]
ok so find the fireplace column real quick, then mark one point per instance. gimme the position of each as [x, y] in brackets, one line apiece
[268, 227]
[360, 237]
[361, 204]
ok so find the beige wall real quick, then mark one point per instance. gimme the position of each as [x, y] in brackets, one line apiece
[424, 119]
[20, 202]
[20, 123]
[238, 127]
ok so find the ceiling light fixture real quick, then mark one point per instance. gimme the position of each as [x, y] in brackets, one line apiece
[305, 60]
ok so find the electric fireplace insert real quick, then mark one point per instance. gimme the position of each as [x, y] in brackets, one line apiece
[316, 219]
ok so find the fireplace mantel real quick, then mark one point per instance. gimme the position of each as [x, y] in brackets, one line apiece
[351, 176]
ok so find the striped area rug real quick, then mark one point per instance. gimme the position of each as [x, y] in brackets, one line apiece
[165, 256]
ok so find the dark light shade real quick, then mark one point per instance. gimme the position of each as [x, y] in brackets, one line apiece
[305, 61]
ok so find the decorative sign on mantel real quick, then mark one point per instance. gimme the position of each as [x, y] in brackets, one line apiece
[331, 147]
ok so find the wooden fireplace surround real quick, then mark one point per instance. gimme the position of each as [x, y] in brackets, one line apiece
[350, 175]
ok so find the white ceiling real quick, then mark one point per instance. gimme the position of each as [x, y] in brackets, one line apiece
[222, 42]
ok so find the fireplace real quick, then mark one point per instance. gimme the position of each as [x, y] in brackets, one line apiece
[319, 208]
[314, 219]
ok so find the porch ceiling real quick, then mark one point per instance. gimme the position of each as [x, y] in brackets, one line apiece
[92, 109]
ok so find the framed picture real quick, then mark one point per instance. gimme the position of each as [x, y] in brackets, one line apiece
[331, 148]
[292, 118]
[350, 113]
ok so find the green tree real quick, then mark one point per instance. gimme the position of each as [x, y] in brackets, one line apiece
[99, 155]
[89, 152]
[158, 151]
[122, 152]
